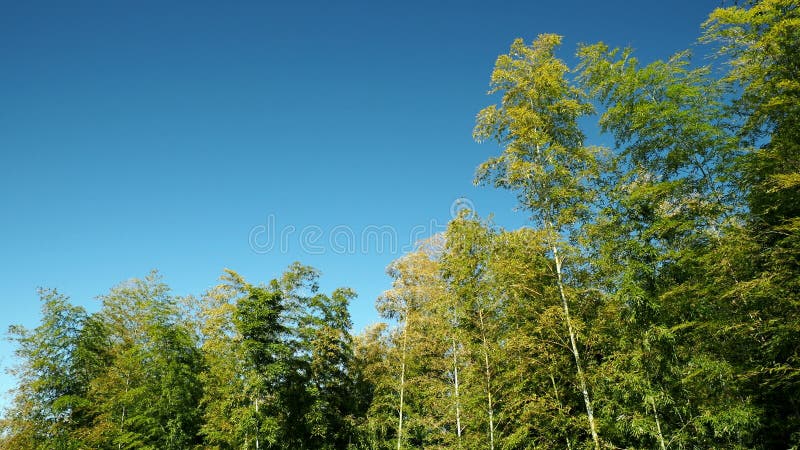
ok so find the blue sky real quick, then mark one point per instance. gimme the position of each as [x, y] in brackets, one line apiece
[170, 135]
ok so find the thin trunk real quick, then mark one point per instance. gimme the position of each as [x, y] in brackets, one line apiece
[456, 386]
[456, 393]
[122, 420]
[257, 443]
[581, 377]
[658, 424]
[555, 390]
[402, 384]
[560, 405]
[488, 381]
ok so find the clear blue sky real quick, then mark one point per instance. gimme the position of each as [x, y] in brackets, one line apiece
[141, 135]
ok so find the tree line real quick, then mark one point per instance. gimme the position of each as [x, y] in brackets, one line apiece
[653, 302]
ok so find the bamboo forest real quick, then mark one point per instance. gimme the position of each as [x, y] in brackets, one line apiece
[652, 300]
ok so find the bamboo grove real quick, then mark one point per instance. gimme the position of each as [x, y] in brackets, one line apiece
[652, 302]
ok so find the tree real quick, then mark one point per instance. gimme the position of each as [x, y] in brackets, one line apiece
[376, 388]
[147, 395]
[538, 386]
[418, 364]
[544, 159]
[47, 409]
[761, 46]
[669, 199]
[298, 361]
[225, 404]
[477, 314]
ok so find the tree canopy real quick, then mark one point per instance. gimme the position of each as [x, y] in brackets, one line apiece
[652, 302]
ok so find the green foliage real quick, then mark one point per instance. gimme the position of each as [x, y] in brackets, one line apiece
[544, 158]
[146, 394]
[50, 398]
[654, 302]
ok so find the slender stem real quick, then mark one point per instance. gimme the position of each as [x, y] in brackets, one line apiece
[573, 341]
[456, 393]
[402, 383]
[658, 424]
[488, 380]
[257, 442]
[456, 387]
[122, 420]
